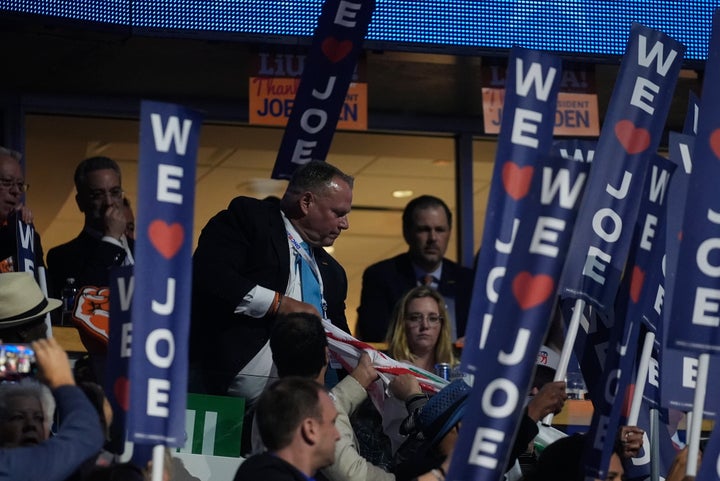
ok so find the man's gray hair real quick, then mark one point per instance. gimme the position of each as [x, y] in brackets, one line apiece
[4, 151]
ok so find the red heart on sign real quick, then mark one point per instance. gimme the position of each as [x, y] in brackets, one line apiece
[516, 179]
[633, 139]
[167, 239]
[636, 284]
[336, 50]
[715, 142]
[121, 390]
[531, 291]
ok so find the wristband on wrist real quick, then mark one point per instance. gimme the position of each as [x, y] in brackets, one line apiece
[275, 305]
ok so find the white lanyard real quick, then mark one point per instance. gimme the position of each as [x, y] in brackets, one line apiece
[313, 266]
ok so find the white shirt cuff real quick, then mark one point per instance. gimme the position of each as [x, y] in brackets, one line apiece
[256, 303]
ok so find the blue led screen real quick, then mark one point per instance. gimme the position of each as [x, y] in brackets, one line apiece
[582, 27]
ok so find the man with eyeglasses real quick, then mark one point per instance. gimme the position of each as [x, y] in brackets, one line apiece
[12, 192]
[102, 243]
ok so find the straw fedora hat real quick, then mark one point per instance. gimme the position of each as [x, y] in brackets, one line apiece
[21, 299]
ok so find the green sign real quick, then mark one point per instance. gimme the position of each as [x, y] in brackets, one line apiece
[214, 425]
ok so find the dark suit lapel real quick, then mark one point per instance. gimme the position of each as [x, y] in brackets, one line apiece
[448, 280]
[405, 268]
[279, 241]
[323, 263]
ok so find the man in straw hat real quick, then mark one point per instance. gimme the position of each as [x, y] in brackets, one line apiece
[22, 308]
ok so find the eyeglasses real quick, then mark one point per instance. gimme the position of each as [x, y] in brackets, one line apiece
[8, 184]
[98, 194]
[417, 318]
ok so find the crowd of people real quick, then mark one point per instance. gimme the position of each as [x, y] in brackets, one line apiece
[262, 285]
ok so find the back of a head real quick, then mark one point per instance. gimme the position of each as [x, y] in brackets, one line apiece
[282, 407]
[298, 344]
[92, 164]
[423, 202]
[6, 152]
[561, 460]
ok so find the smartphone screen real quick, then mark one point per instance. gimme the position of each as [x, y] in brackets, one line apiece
[16, 360]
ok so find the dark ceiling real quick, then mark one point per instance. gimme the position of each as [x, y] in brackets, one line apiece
[91, 71]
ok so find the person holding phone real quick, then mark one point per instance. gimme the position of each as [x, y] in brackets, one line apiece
[79, 435]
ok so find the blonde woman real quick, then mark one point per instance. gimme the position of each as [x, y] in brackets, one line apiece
[419, 335]
[420, 331]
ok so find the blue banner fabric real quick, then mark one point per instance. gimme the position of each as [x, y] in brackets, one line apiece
[678, 368]
[695, 310]
[691, 118]
[324, 83]
[525, 303]
[169, 137]
[117, 383]
[709, 469]
[25, 243]
[525, 134]
[645, 255]
[682, 147]
[629, 138]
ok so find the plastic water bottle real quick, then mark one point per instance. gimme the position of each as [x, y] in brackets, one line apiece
[68, 298]
[575, 385]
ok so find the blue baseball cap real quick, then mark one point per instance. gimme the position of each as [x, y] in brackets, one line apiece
[444, 410]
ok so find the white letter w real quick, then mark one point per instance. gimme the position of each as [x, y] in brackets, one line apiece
[171, 134]
[534, 75]
[646, 59]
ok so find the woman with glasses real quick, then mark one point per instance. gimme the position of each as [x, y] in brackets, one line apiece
[420, 333]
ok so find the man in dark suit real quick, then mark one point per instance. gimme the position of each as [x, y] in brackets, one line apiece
[102, 242]
[427, 221]
[251, 265]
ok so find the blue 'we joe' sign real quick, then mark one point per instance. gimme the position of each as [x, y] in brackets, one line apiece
[329, 68]
[525, 301]
[629, 137]
[525, 135]
[695, 320]
[163, 270]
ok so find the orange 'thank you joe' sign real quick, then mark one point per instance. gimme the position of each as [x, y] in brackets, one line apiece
[576, 114]
[272, 99]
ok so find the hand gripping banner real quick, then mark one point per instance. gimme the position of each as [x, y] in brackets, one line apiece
[161, 300]
[329, 68]
[630, 136]
[525, 134]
